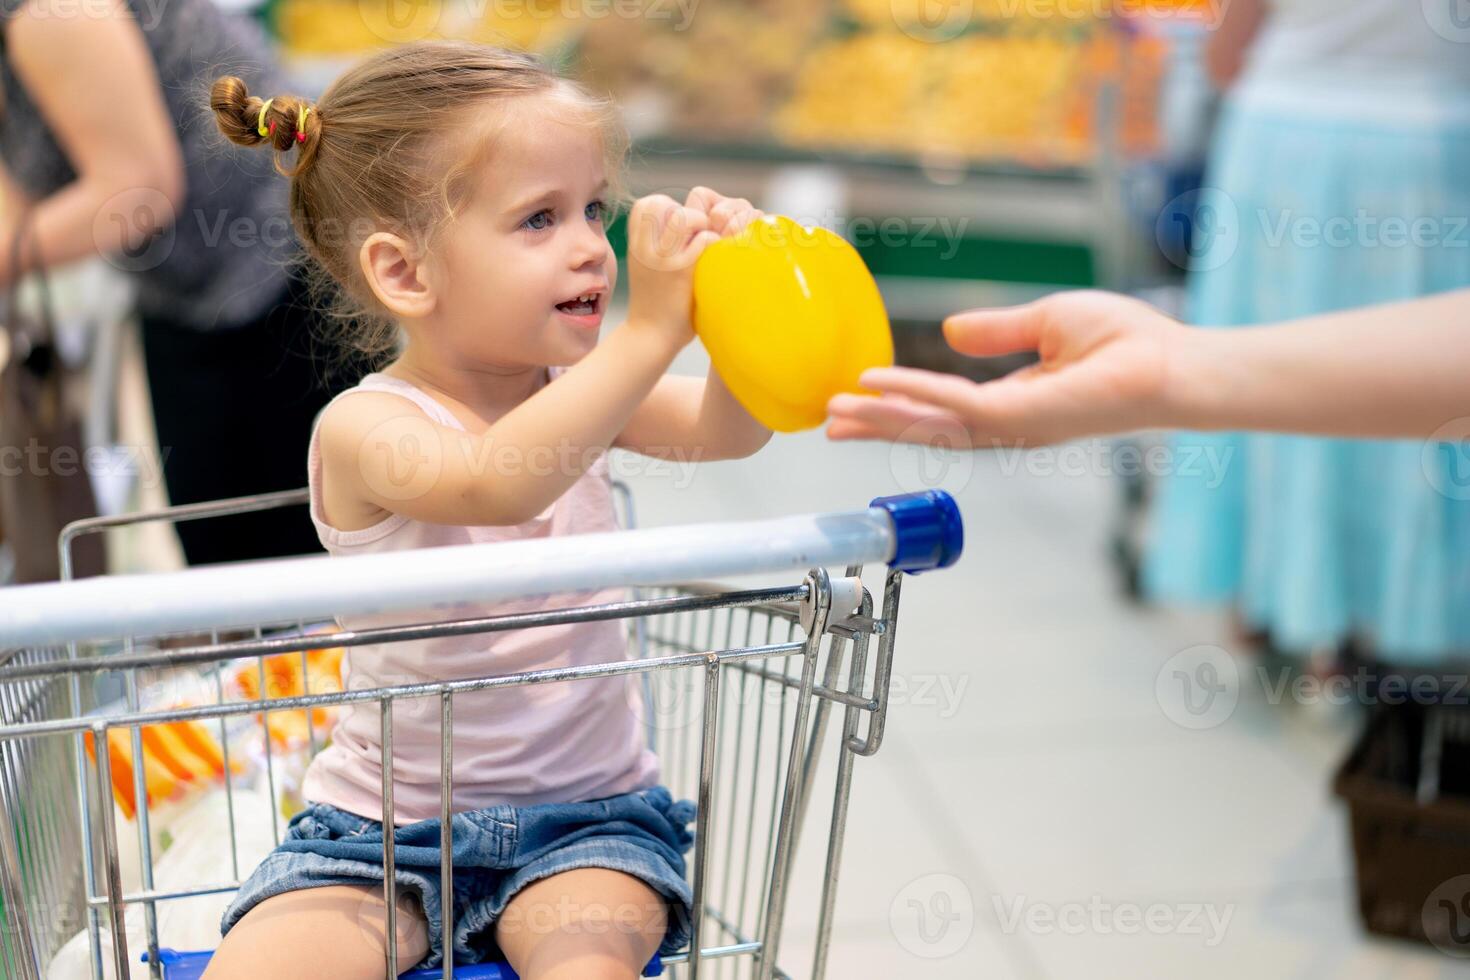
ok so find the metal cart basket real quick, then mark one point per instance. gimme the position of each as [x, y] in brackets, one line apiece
[742, 690]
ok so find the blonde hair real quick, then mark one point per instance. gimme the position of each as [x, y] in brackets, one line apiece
[371, 156]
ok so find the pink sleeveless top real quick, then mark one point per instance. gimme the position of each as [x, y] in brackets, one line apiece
[541, 743]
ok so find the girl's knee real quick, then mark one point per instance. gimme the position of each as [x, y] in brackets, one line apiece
[337, 930]
[584, 924]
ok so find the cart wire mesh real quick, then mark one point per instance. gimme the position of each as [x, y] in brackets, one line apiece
[738, 689]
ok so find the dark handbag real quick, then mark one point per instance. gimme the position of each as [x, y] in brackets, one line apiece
[44, 483]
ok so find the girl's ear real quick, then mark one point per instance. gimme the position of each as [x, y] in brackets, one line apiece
[396, 276]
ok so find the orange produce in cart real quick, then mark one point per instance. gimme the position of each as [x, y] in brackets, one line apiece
[285, 677]
[176, 756]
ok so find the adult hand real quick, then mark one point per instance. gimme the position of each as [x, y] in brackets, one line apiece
[1104, 367]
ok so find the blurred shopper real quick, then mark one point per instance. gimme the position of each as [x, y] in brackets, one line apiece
[108, 147]
[1340, 177]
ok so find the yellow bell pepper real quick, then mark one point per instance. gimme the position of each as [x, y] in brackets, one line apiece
[790, 317]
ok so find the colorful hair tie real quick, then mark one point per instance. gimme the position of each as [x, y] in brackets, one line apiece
[301, 124]
[260, 120]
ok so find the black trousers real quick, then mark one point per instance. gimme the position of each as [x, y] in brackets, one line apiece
[233, 410]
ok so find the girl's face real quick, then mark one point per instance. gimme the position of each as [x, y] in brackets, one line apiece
[525, 270]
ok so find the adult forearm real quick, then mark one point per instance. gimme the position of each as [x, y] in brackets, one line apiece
[87, 217]
[1400, 369]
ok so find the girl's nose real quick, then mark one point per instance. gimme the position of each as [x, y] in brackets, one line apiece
[590, 248]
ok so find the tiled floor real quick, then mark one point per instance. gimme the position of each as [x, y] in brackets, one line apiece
[1035, 812]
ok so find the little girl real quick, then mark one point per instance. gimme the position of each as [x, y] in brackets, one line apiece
[457, 193]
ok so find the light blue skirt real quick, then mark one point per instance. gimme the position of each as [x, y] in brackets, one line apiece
[1318, 539]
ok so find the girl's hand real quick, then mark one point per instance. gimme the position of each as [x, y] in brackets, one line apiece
[664, 240]
[1104, 368]
[728, 216]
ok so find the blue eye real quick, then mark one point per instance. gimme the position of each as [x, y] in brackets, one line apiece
[539, 221]
[594, 211]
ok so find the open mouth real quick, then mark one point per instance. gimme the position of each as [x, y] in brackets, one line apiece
[588, 304]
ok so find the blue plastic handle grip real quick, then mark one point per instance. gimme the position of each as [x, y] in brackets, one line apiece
[930, 533]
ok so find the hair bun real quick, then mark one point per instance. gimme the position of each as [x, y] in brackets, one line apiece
[280, 122]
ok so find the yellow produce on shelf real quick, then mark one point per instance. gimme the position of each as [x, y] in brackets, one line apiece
[1006, 95]
[941, 20]
[976, 95]
[981, 79]
[338, 27]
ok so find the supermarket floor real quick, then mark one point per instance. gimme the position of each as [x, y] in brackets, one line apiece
[1034, 811]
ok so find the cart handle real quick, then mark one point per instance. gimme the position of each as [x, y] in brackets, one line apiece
[912, 533]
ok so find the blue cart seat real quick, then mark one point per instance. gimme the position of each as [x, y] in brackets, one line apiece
[179, 965]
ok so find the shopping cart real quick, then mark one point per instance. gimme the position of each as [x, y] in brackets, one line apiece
[739, 690]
